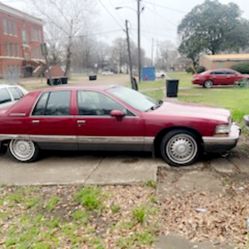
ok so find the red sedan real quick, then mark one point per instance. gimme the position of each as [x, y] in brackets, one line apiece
[113, 118]
[216, 77]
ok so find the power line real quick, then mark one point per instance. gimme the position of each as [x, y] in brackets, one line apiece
[100, 33]
[110, 14]
[165, 7]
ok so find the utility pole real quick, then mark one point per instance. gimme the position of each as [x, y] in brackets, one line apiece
[139, 39]
[129, 52]
[152, 52]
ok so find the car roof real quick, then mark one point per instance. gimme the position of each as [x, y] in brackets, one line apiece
[222, 69]
[77, 87]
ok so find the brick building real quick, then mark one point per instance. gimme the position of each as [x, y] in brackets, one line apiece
[20, 38]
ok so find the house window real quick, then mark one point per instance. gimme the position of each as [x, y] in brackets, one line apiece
[9, 27]
[24, 37]
[11, 49]
[36, 35]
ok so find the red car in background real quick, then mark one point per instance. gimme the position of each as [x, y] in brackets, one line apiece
[113, 118]
[216, 77]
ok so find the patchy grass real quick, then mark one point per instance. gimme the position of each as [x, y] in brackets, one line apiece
[90, 198]
[139, 214]
[235, 99]
[78, 217]
[151, 184]
[52, 202]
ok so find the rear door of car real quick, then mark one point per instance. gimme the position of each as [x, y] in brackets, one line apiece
[51, 121]
[98, 130]
[231, 77]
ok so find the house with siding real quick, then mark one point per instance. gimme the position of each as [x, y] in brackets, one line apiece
[222, 60]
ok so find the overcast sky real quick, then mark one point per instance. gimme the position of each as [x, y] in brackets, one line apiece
[159, 19]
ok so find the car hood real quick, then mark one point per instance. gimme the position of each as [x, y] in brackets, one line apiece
[193, 111]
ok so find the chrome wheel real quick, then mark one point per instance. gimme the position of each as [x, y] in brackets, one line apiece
[208, 84]
[22, 150]
[181, 149]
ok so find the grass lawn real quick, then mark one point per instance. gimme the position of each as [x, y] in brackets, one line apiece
[234, 98]
[51, 217]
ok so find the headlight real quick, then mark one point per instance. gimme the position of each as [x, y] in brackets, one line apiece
[222, 129]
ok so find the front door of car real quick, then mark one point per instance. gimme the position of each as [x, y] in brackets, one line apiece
[218, 78]
[98, 130]
[51, 123]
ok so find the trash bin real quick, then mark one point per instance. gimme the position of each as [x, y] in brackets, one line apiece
[172, 88]
[57, 81]
[92, 77]
[64, 80]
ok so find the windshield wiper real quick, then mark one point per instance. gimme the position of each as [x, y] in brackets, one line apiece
[154, 107]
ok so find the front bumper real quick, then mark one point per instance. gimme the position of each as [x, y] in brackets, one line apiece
[222, 144]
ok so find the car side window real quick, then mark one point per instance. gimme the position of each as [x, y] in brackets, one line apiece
[229, 72]
[217, 73]
[4, 96]
[16, 93]
[53, 104]
[92, 103]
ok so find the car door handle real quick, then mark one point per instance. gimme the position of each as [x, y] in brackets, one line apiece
[35, 121]
[81, 121]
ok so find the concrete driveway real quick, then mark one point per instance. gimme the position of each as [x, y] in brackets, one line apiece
[78, 168]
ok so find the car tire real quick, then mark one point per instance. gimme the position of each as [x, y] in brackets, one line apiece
[180, 148]
[208, 84]
[23, 150]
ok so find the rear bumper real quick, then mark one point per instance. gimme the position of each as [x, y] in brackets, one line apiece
[222, 144]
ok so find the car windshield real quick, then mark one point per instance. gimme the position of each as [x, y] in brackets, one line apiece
[135, 99]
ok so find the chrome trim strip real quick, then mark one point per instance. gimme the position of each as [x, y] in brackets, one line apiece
[81, 139]
[17, 114]
[115, 140]
[229, 140]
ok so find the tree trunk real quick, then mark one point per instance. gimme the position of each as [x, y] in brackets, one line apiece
[68, 57]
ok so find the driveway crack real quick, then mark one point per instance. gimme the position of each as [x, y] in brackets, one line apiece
[93, 170]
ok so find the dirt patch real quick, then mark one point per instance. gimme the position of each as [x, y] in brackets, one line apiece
[205, 205]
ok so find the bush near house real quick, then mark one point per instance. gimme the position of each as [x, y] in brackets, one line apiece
[198, 69]
[242, 67]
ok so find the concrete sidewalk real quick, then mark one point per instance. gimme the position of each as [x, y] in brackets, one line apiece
[77, 169]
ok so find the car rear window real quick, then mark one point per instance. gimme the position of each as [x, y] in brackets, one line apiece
[16, 93]
[4, 96]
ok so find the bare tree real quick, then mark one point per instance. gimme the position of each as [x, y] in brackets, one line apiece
[166, 55]
[65, 20]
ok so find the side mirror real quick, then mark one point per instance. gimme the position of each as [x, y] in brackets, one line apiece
[117, 114]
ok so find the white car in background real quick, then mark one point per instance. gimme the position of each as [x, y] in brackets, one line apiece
[161, 75]
[107, 73]
[9, 94]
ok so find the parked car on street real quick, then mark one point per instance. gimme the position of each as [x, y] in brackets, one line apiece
[9, 94]
[113, 118]
[216, 77]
